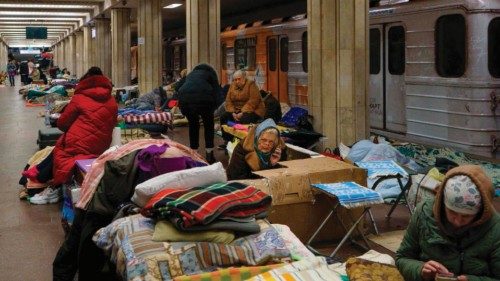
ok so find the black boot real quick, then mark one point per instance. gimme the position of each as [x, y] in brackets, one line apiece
[210, 157]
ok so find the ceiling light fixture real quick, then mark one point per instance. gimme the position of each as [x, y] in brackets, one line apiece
[172, 6]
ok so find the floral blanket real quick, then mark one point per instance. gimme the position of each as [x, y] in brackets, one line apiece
[129, 245]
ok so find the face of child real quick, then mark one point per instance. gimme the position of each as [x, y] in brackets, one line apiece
[458, 220]
[267, 141]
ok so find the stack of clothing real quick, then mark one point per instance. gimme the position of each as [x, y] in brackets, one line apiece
[222, 206]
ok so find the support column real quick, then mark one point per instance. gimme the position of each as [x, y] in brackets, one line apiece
[149, 21]
[103, 45]
[338, 68]
[79, 54]
[3, 56]
[88, 55]
[54, 52]
[203, 33]
[120, 37]
[71, 55]
[63, 53]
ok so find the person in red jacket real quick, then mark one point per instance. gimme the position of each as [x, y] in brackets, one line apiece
[87, 122]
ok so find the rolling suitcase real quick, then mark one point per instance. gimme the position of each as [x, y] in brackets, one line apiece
[48, 136]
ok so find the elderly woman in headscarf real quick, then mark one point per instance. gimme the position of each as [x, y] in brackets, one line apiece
[261, 149]
[457, 234]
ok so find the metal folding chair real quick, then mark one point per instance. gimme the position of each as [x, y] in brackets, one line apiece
[348, 195]
[385, 170]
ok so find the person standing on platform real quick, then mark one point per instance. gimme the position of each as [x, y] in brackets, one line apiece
[197, 98]
[12, 71]
[243, 103]
[455, 234]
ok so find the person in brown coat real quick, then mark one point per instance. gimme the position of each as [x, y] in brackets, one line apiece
[244, 104]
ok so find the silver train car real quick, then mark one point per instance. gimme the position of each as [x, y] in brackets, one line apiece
[434, 69]
[435, 73]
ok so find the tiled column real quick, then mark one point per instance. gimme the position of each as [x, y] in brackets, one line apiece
[149, 22]
[103, 45]
[88, 55]
[54, 54]
[120, 38]
[79, 54]
[3, 56]
[338, 68]
[203, 33]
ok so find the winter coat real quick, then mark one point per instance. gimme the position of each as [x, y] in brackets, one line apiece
[244, 159]
[200, 87]
[156, 98]
[246, 99]
[473, 251]
[87, 122]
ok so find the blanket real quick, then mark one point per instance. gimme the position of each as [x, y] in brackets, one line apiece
[129, 245]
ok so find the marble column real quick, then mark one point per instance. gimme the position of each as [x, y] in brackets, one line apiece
[149, 41]
[120, 53]
[338, 69]
[64, 47]
[88, 54]
[203, 33]
[79, 71]
[71, 55]
[103, 45]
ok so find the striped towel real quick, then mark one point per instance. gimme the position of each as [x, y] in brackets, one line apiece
[351, 194]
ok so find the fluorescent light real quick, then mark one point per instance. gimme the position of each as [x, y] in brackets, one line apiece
[172, 6]
[42, 6]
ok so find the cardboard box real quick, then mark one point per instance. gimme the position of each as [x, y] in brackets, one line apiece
[294, 202]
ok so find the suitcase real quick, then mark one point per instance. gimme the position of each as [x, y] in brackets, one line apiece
[48, 136]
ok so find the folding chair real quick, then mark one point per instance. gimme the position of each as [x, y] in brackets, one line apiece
[385, 170]
[348, 195]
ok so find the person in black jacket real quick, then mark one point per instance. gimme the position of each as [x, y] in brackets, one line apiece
[197, 97]
[273, 106]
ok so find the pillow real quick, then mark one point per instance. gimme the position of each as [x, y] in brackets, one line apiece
[179, 179]
[364, 270]
[165, 231]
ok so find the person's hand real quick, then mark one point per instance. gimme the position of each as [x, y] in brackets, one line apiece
[158, 109]
[275, 157]
[431, 268]
[235, 116]
[462, 278]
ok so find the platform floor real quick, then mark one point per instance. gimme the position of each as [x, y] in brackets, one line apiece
[30, 235]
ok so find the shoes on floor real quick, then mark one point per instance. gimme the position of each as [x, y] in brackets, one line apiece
[210, 157]
[48, 196]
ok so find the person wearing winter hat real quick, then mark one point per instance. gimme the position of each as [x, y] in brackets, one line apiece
[457, 233]
[261, 149]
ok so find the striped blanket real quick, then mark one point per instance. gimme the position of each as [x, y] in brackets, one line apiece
[203, 205]
[164, 118]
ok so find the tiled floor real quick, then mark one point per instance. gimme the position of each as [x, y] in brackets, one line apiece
[30, 235]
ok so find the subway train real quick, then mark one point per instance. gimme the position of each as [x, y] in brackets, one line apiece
[434, 69]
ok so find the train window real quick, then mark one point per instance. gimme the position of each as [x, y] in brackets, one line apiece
[244, 53]
[396, 50]
[494, 47]
[284, 54]
[224, 56]
[304, 51]
[271, 49]
[450, 45]
[374, 51]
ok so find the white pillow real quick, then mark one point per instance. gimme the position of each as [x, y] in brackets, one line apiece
[180, 179]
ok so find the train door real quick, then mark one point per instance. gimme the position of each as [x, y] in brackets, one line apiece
[277, 67]
[387, 68]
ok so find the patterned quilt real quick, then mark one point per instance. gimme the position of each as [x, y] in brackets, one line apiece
[427, 157]
[129, 245]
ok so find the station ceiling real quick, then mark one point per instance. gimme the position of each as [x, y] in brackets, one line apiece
[62, 17]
